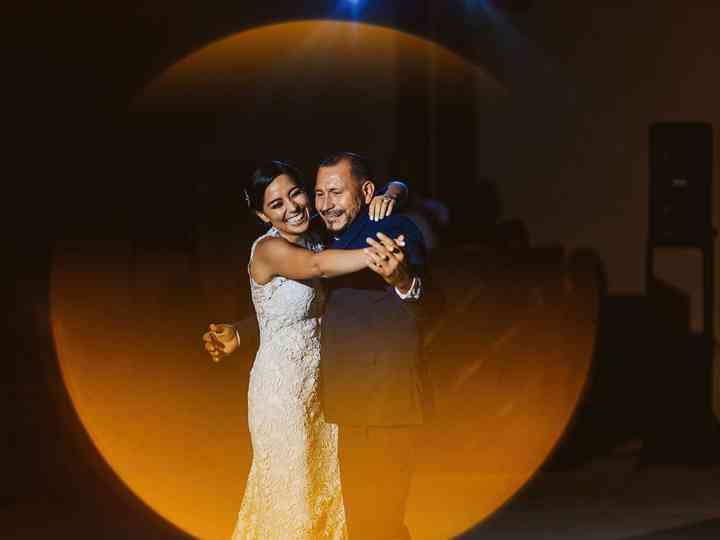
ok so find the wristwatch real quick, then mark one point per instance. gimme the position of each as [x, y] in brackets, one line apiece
[414, 292]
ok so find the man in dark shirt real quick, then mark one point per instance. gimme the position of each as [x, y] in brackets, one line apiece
[369, 366]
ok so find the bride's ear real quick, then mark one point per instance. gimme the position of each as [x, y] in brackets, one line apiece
[262, 217]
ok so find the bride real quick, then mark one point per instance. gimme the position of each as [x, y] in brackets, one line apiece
[293, 488]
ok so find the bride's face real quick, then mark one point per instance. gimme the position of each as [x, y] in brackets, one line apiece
[286, 206]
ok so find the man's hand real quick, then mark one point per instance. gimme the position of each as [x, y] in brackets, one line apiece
[220, 340]
[388, 260]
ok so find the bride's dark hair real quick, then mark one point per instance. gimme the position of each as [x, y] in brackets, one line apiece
[263, 177]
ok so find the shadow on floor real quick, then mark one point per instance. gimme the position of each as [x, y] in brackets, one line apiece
[703, 529]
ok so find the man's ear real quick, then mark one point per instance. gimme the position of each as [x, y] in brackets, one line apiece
[262, 217]
[368, 190]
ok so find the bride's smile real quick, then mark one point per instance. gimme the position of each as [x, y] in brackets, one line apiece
[298, 218]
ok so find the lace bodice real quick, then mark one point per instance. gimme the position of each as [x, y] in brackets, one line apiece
[282, 304]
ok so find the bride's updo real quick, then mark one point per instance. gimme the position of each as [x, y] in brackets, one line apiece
[262, 177]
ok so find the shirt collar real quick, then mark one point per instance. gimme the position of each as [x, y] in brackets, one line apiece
[355, 228]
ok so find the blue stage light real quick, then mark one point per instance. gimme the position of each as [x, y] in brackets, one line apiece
[351, 8]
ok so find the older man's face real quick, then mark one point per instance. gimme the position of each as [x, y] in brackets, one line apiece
[339, 197]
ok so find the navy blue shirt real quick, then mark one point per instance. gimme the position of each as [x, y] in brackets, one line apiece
[370, 337]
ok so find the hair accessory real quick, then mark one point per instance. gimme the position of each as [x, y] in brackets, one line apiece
[247, 198]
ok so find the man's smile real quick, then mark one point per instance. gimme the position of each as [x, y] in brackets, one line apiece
[333, 214]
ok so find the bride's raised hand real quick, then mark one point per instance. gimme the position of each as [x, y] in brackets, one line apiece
[384, 257]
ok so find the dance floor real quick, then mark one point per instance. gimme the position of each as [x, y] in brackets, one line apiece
[608, 498]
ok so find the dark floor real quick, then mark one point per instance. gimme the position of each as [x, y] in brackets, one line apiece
[615, 497]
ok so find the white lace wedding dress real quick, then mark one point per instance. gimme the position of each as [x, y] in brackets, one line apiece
[293, 489]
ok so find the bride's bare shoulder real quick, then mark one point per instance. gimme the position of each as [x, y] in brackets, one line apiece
[270, 246]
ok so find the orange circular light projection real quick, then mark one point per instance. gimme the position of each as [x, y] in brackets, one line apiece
[173, 425]
[310, 58]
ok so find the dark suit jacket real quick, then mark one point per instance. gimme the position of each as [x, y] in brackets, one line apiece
[369, 365]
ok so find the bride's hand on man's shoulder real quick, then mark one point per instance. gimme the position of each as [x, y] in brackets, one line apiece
[381, 206]
[220, 340]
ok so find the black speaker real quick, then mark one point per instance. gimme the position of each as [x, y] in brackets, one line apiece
[681, 164]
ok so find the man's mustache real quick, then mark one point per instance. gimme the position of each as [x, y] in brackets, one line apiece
[332, 213]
